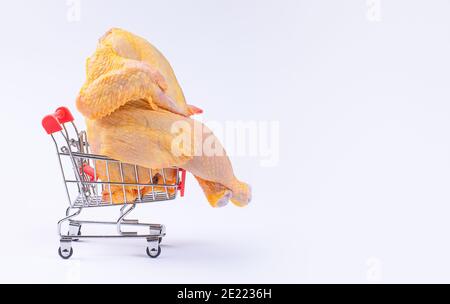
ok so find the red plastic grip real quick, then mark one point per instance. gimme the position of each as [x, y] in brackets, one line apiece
[89, 171]
[181, 187]
[51, 124]
[63, 114]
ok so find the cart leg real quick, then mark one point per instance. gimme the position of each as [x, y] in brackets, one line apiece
[74, 229]
[123, 213]
[162, 233]
[163, 230]
[65, 250]
[126, 212]
[159, 230]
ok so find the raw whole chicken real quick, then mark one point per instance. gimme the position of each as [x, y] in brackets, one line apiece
[131, 101]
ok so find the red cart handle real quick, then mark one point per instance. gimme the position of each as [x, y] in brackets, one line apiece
[63, 114]
[181, 187]
[52, 123]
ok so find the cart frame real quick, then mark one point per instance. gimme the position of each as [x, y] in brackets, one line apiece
[76, 148]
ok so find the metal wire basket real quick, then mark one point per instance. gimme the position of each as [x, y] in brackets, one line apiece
[97, 181]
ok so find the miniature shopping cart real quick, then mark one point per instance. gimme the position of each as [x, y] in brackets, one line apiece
[84, 189]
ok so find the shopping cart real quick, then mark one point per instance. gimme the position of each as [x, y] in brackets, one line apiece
[84, 189]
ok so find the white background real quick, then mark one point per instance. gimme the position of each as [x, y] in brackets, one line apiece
[361, 190]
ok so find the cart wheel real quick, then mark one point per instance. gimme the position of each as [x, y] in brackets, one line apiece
[65, 254]
[154, 253]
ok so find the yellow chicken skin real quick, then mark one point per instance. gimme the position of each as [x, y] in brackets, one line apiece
[119, 194]
[131, 101]
[146, 138]
[126, 67]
